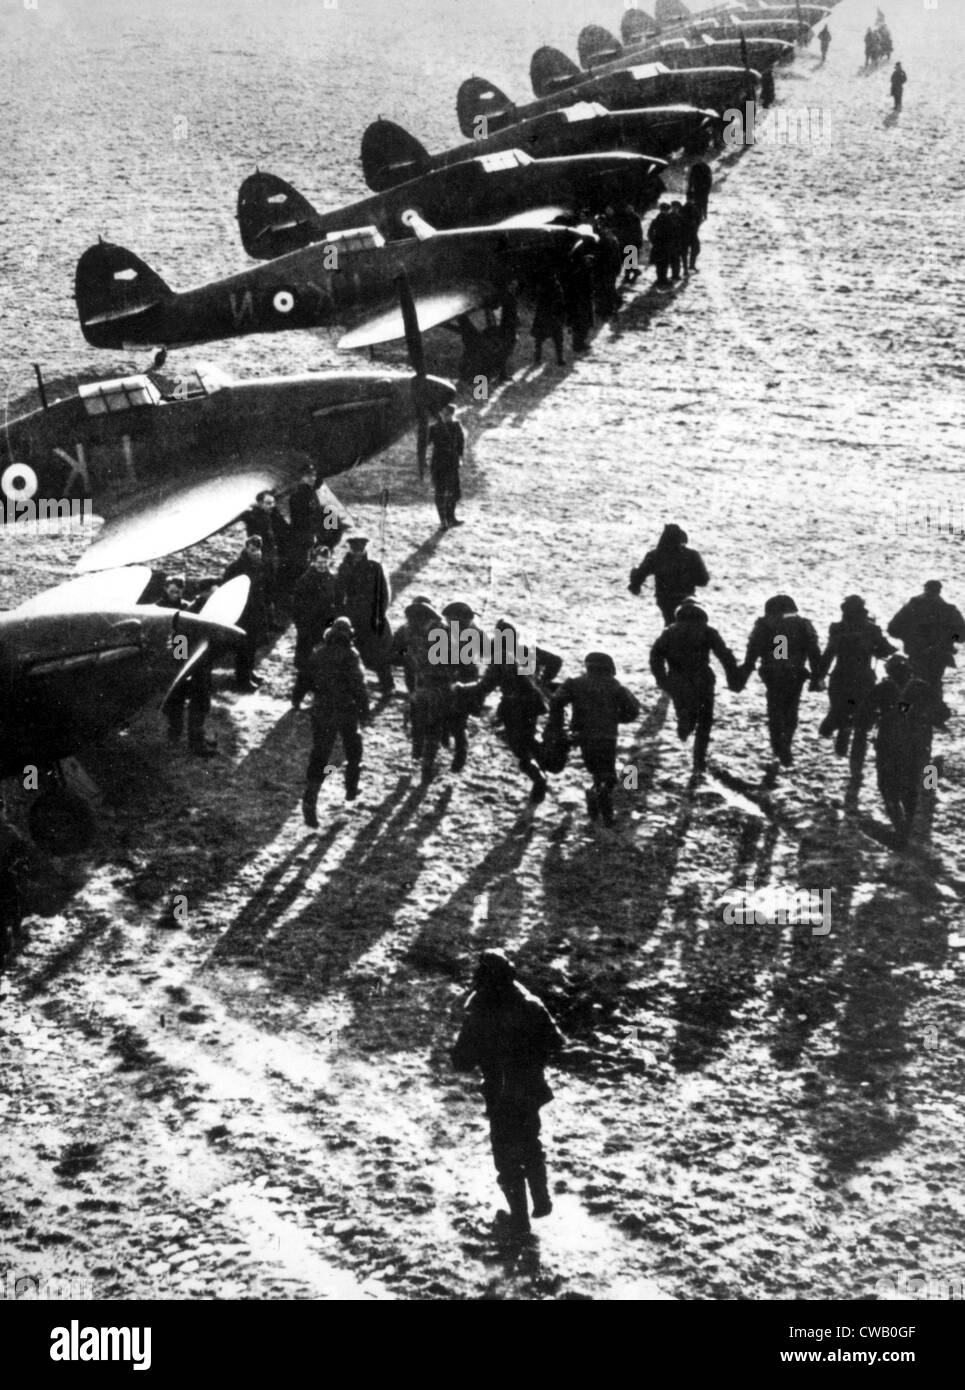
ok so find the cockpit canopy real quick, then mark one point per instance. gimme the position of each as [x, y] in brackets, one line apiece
[357, 239]
[123, 393]
[504, 159]
[583, 111]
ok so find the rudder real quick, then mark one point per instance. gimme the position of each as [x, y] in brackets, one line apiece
[597, 45]
[482, 108]
[390, 156]
[119, 297]
[273, 217]
[550, 70]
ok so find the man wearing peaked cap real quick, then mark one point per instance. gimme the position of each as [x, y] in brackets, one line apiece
[316, 601]
[365, 599]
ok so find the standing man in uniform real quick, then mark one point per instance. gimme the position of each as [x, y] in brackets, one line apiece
[929, 627]
[660, 234]
[680, 662]
[853, 645]
[700, 180]
[677, 571]
[510, 1035]
[690, 230]
[365, 597]
[266, 522]
[341, 707]
[315, 606]
[254, 620]
[898, 79]
[549, 320]
[600, 705]
[447, 439]
[824, 39]
[786, 646]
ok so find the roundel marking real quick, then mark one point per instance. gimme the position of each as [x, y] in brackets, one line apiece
[283, 302]
[19, 482]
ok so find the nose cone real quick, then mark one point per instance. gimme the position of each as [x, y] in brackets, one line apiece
[432, 393]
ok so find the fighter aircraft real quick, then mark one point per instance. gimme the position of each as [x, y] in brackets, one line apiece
[348, 278]
[554, 76]
[78, 661]
[509, 185]
[390, 155]
[169, 467]
[601, 50]
[636, 26]
[665, 129]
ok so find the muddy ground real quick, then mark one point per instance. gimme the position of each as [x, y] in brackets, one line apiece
[256, 1101]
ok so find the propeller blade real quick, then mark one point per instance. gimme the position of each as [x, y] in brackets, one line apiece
[227, 603]
[413, 338]
[193, 660]
[413, 342]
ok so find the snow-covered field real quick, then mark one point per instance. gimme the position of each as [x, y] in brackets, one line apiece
[259, 1103]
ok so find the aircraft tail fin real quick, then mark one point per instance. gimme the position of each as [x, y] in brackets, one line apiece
[274, 218]
[390, 155]
[118, 296]
[669, 11]
[597, 45]
[550, 70]
[636, 27]
[482, 108]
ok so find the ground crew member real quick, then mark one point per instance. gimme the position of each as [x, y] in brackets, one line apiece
[660, 234]
[340, 708]
[680, 662]
[447, 439]
[929, 627]
[600, 704]
[853, 644]
[786, 646]
[364, 600]
[677, 571]
[509, 1034]
[316, 603]
[549, 319]
[690, 231]
[700, 180]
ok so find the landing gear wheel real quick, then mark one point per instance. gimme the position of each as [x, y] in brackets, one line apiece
[61, 822]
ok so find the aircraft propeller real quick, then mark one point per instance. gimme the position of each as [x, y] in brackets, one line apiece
[417, 358]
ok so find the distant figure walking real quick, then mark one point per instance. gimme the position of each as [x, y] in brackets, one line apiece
[898, 79]
[824, 39]
[690, 218]
[871, 52]
[677, 571]
[509, 1034]
[700, 180]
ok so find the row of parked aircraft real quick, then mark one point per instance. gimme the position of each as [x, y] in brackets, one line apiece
[441, 236]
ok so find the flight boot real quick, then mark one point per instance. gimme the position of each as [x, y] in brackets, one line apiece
[309, 803]
[606, 806]
[352, 775]
[592, 803]
[518, 1206]
[539, 1190]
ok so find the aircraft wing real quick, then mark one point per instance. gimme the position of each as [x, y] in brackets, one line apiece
[535, 217]
[180, 516]
[431, 309]
[109, 592]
